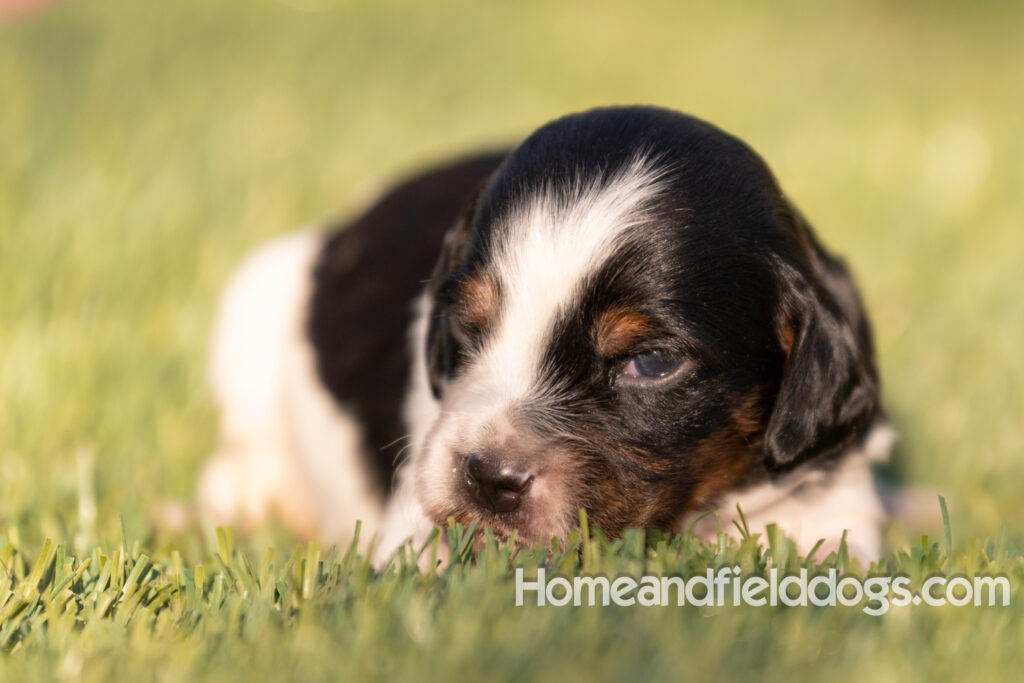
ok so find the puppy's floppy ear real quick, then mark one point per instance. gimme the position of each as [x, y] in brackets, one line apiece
[829, 393]
[440, 345]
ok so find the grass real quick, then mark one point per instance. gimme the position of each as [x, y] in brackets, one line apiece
[144, 147]
[313, 615]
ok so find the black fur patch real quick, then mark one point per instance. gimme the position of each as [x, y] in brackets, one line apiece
[367, 276]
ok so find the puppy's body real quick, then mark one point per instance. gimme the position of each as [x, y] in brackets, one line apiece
[311, 362]
[625, 316]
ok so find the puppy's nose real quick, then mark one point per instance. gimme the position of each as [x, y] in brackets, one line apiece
[497, 485]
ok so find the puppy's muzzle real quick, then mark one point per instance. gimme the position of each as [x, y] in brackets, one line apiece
[496, 484]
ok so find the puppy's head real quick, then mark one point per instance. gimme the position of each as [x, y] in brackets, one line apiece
[631, 319]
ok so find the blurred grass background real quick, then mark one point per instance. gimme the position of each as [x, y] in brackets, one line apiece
[145, 147]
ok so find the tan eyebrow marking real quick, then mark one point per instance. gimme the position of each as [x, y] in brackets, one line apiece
[617, 329]
[787, 337]
[478, 301]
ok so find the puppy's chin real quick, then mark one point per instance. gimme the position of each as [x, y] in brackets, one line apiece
[503, 529]
[536, 522]
[546, 513]
[519, 528]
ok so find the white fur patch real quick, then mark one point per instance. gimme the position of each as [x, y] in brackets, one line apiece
[543, 253]
[405, 518]
[810, 504]
[286, 447]
[257, 321]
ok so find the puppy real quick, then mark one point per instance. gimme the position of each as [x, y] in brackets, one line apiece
[624, 314]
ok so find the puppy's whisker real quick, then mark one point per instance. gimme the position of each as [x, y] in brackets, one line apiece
[398, 456]
[392, 443]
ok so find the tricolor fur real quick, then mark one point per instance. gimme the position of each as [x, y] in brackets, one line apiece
[624, 314]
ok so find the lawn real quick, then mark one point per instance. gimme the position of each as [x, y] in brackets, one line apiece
[146, 146]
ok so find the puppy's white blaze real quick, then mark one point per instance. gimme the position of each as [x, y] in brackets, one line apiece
[544, 253]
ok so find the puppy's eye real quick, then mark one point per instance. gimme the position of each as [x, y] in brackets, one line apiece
[461, 334]
[651, 365]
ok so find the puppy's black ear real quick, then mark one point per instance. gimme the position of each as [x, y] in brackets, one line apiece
[829, 394]
[441, 349]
